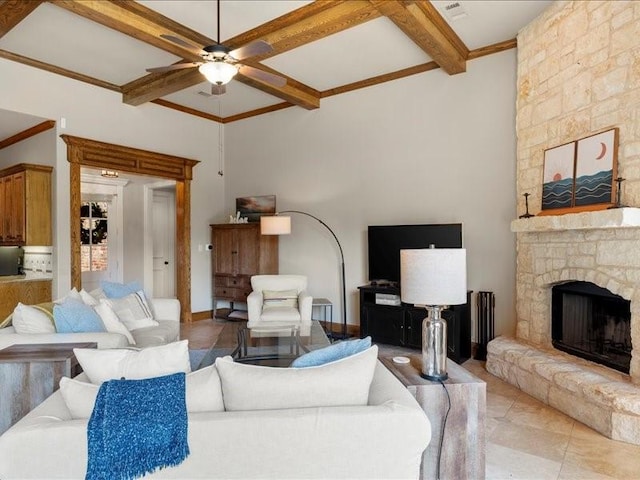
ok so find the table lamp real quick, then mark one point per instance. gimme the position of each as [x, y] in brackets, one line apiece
[434, 278]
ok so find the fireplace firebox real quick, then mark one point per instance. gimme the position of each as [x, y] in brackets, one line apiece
[592, 323]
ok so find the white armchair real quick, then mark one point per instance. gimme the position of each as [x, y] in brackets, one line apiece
[279, 300]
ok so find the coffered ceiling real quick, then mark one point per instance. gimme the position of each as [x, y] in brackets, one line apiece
[322, 48]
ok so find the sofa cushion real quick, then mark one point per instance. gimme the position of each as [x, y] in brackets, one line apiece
[32, 319]
[165, 332]
[133, 310]
[280, 298]
[333, 352]
[111, 321]
[341, 383]
[132, 364]
[119, 290]
[73, 316]
[203, 393]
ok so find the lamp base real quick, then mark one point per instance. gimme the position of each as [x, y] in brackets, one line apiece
[435, 378]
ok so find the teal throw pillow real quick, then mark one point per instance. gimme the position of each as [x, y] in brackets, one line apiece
[332, 353]
[73, 317]
[119, 290]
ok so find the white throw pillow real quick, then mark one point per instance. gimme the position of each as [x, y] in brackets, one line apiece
[203, 393]
[133, 310]
[30, 319]
[88, 299]
[280, 298]
[340, 383]
[73, 295]
[111, 321]
[116, 363]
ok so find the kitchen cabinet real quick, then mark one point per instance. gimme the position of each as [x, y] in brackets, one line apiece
[240, 251]
[25, 214]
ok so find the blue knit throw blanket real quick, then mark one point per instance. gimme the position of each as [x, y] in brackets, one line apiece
[137, 427]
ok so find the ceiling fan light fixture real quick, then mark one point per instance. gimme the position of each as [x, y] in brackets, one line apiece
[219, 73]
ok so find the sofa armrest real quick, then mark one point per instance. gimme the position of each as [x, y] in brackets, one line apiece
[305, 305]
[254, 306]
[166, 308]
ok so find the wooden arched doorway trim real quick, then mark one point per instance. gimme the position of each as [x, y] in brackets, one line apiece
[91, 153]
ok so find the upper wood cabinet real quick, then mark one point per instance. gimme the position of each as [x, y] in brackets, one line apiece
[25, 210]
[239, 251]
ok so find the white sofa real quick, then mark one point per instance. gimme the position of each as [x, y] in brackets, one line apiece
[382, 440]
[166, 311]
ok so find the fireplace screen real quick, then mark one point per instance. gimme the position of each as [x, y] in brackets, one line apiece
[592, 323]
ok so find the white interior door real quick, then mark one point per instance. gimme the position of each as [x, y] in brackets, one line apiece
[164, 233]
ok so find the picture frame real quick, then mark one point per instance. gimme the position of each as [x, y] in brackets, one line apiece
[256, 206]
[580, 175]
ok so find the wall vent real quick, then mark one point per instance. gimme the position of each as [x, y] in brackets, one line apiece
[455, 11]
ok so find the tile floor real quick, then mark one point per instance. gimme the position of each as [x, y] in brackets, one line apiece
[526, 440]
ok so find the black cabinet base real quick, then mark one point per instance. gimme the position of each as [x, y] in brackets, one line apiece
[402, 324]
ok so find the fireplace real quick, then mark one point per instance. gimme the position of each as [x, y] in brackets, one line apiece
[593, 323]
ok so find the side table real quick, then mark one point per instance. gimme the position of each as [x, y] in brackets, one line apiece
[463, 445]
[327, 307]
[29, 373]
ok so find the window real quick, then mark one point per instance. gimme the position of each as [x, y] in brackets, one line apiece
[93, 236]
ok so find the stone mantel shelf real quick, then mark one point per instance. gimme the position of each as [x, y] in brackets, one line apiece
[627, 217]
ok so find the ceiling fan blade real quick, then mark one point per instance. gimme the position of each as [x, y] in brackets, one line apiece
[182, 43]
[175, 66]
[259, 47]
[251, 72]
[218, 89]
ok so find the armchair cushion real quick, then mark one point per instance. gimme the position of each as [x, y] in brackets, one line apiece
[280, 298]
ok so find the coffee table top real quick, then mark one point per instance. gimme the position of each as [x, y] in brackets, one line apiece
[41, 352]
[275, 347]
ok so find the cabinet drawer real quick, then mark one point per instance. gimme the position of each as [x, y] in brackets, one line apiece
[221, 281]
[228, 293]
[239, 282]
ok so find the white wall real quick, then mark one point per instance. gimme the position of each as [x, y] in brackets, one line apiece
[424, 149]
[99, 114]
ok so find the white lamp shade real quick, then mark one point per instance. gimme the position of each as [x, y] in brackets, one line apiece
[275, 225]
[433, 276]
[218, 72]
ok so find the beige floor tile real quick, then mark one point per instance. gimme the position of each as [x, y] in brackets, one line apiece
[601, 455]
[534, 441]
[497, 405]
[503, 463]
[529, 411]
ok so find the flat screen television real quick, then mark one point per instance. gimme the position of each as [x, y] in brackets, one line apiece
[386, 241]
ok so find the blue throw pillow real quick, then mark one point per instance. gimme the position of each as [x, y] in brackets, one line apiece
[72, 316]
[119, 290]
[332, 353]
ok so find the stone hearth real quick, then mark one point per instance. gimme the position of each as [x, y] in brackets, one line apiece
[601, 247]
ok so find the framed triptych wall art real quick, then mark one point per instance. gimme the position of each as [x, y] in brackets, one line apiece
[580, 175]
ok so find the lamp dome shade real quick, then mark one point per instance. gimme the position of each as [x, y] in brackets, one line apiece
[219, 72]
[433, 276]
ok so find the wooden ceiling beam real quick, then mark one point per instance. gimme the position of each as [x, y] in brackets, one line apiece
[12, 12]
[28, 133]
[422, 23]
[307, 24]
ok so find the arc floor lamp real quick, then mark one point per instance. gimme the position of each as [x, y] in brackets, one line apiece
[281, 225]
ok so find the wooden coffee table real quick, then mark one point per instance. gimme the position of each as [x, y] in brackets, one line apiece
[29, 373]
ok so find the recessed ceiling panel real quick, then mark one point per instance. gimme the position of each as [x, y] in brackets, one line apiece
[236, 16]
[56, 36]
[479, 24]
[367, 50]
[239, 98]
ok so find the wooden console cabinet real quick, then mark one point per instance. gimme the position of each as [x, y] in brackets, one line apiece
[240, 251]
[25, 205]
[402, 324]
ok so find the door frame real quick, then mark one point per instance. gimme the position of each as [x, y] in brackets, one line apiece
[92, 153]
[149, 192]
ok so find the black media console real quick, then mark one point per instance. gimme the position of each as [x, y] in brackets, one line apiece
[402, 324]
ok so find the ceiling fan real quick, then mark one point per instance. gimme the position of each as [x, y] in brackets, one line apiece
[219, 64]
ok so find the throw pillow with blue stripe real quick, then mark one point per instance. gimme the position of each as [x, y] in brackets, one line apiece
[332, 353]
[75, 317]
[119, 290]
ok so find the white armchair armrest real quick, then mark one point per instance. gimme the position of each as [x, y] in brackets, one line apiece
[305, 305]
[254, 307]
[166, 308]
